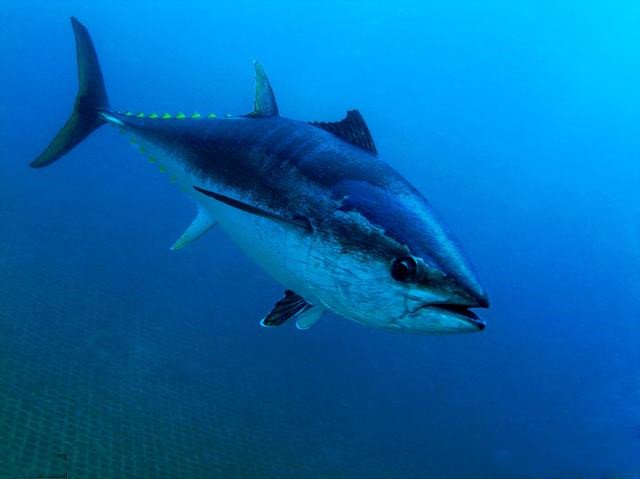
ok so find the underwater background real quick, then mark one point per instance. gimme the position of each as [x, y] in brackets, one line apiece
[519, 121]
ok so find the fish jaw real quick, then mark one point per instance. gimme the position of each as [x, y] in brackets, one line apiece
[440, 319]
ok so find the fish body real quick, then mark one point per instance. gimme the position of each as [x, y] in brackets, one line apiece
[310, 202]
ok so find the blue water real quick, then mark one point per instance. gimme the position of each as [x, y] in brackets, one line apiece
[518, 121]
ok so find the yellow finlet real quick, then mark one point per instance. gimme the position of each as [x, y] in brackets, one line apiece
[180, 116]
[140, 115]
[196, 115]
[142, 149]
[228, 115]
[162, 169]
[166, 116]
[133, 140]
[153, 116]
[212, 115]
[152, 159]
[128, 113]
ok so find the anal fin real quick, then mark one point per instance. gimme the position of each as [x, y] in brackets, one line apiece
[196, 230]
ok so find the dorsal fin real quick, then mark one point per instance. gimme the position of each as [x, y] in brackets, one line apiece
[265, 101]
[352, 129]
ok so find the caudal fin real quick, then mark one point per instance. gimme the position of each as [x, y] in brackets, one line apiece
[91, 100]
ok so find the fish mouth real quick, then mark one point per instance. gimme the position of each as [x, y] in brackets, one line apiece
[460, 312]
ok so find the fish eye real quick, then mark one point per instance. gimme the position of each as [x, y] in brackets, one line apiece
[404, 269]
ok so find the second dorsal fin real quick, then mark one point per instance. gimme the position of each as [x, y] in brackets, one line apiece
[264, 104]
[352, 129]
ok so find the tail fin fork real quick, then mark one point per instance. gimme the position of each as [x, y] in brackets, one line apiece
[91, 100]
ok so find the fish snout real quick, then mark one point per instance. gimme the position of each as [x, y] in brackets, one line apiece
[455, 311]
[464, 287]
[473, 296]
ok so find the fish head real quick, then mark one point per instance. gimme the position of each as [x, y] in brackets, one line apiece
[390, 263]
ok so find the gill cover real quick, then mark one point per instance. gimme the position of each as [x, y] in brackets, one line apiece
[91, 100]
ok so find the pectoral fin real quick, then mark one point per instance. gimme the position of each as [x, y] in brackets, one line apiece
[297, 221]
[196, 230]
[293, 306]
